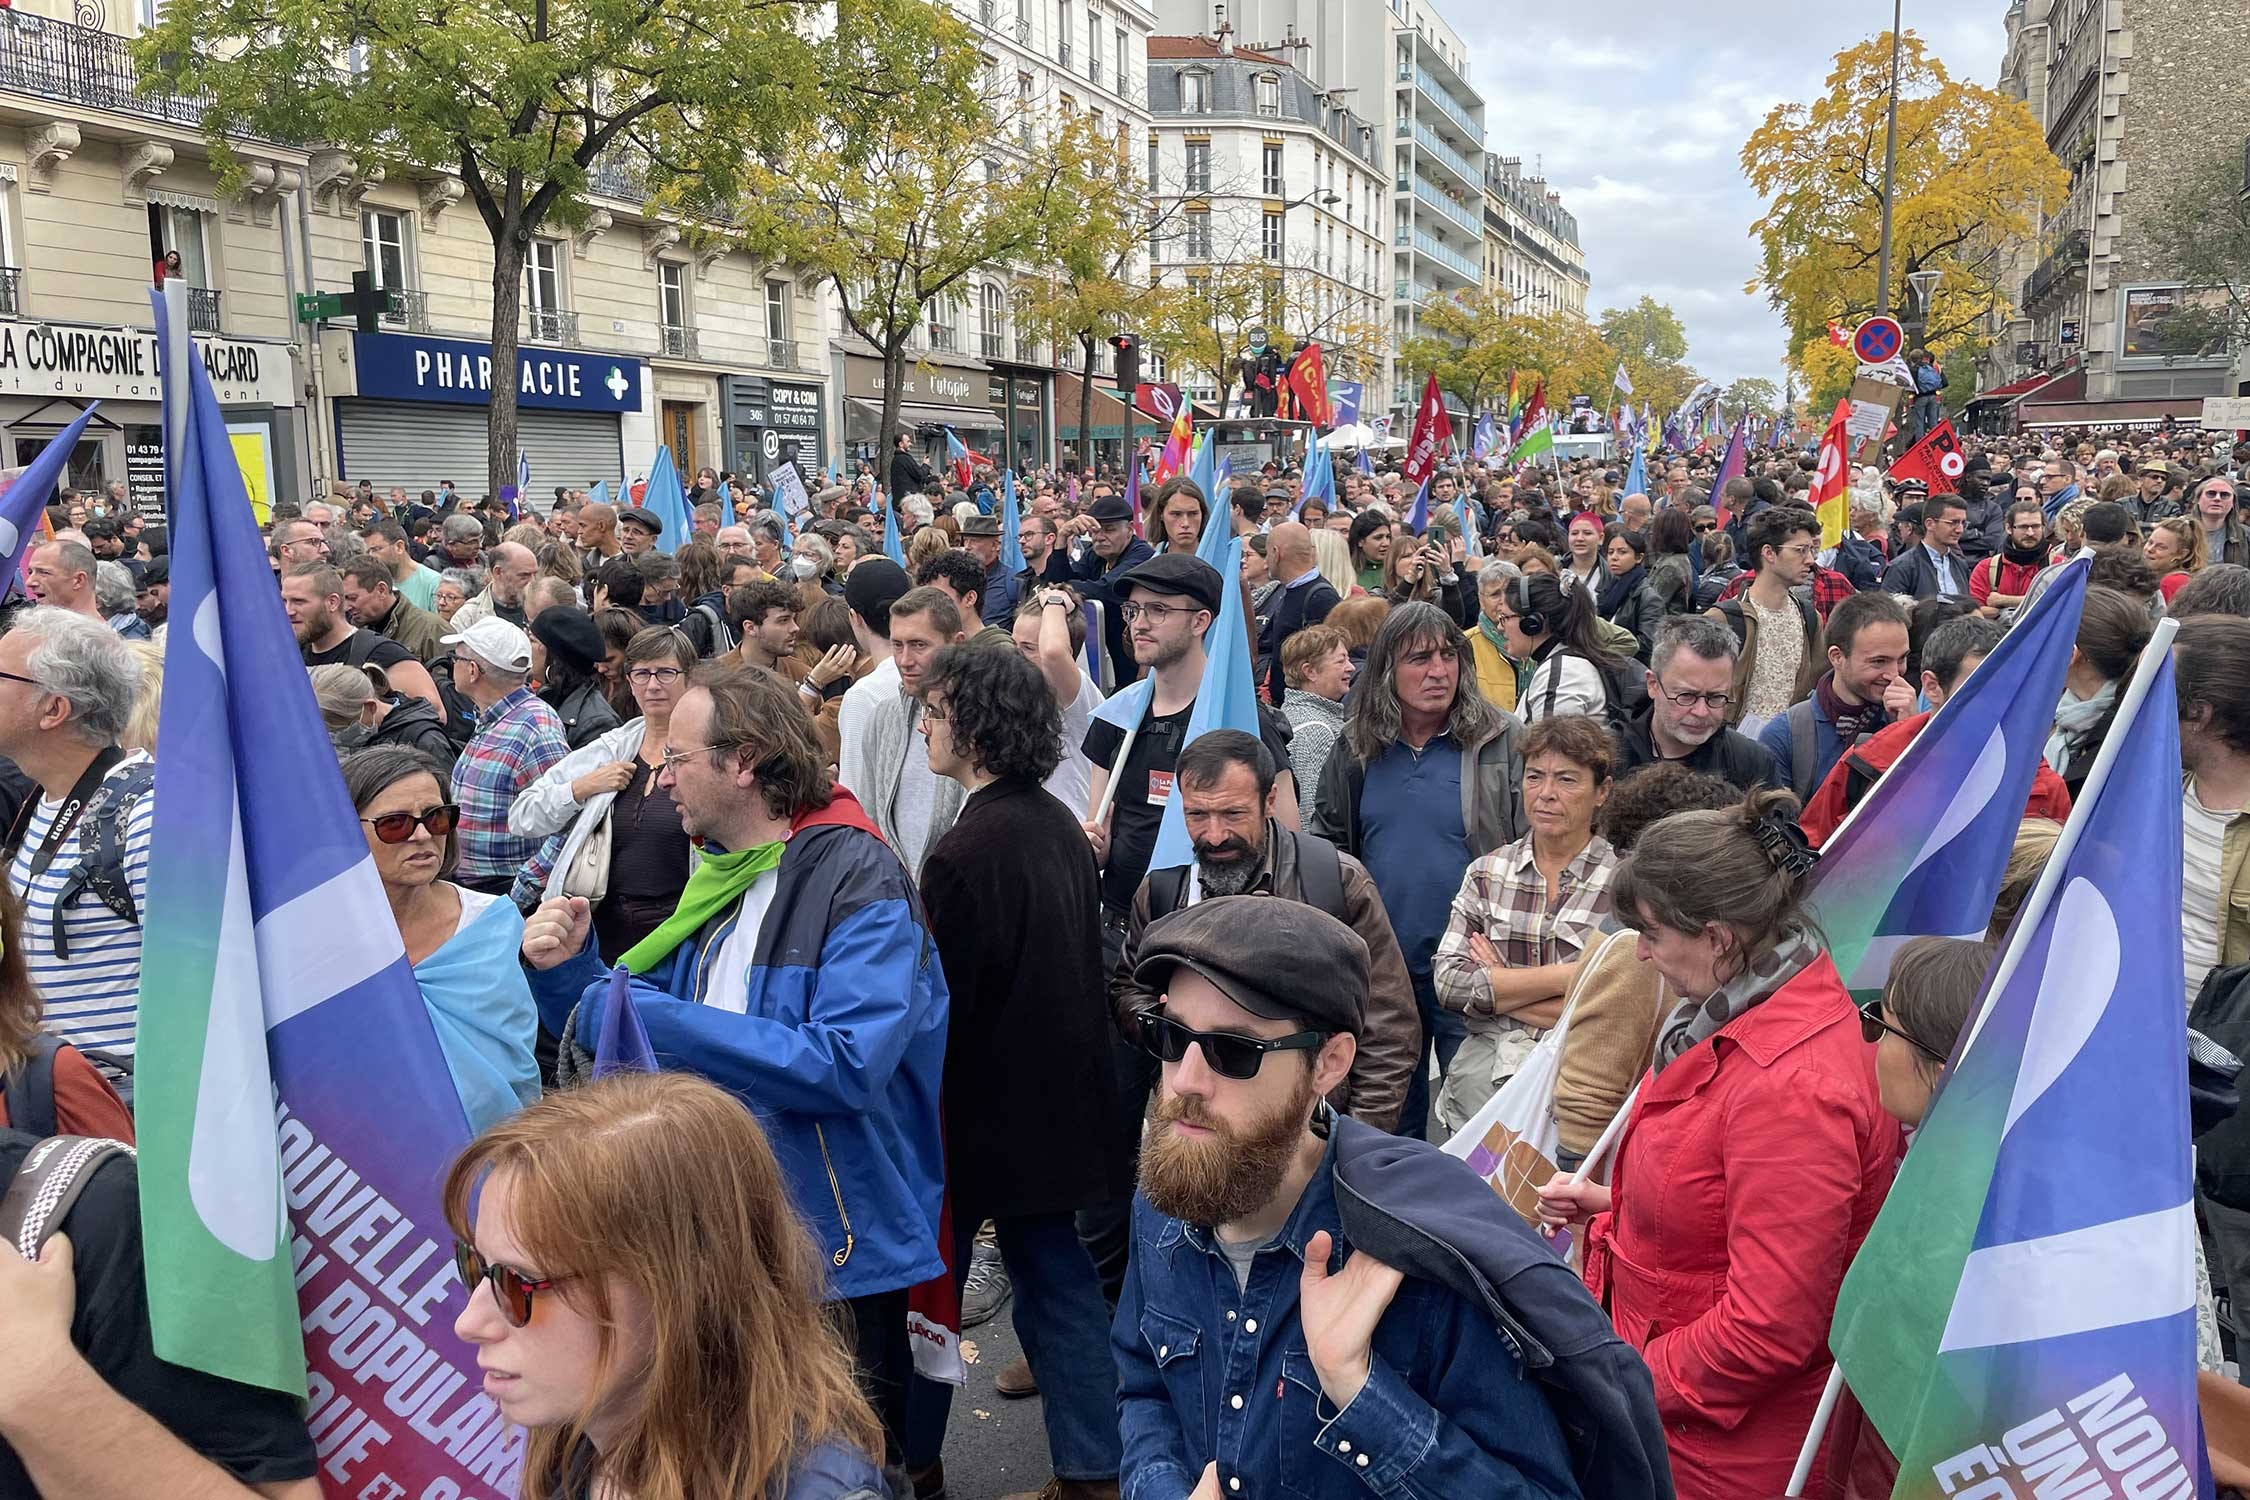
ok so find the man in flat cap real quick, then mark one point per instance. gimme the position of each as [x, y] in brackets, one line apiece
[1257, 1352]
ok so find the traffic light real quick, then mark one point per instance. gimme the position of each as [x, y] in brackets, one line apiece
[1128, 347]
[366, 303]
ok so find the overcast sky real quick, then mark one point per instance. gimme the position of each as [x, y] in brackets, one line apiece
[1639, 113]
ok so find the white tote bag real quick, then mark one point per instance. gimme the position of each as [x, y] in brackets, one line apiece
[1512, 1140]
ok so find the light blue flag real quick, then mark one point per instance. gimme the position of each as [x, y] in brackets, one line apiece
[284, 1039]
[599, 494]
[1218, 531]
[1923, 853]
[1319, 481]
[1222, 477]
[667, 501]
[893, 548]
[1203, 468]
[726, 503]
[622, 1046]
[1418, 514]
[1227, 698]
[1364, 464]
[1636, 473]
[1468, 528]
[2026, 1300]
[24, 501]
[1487, 435]
[1011, 525]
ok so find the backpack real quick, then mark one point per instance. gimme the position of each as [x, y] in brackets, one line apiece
[47, 1184]
[460, 713]
[1624, 689]
[1320, 871]
[29, 1088]
[707, 631]
[1730, 610]
[101, 850]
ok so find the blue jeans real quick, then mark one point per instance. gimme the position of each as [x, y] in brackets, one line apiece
[1442, 1034]
[1063, 1323]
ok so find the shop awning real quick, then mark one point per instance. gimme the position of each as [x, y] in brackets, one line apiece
[2182, 411]
[2013, 388]
[862, 418]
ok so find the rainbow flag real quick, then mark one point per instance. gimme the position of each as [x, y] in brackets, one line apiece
[1178, 448]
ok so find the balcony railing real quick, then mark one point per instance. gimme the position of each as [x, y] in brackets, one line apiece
[617, 175]
[679, 343]
[411, 311]
[11, 301]
[1430, 141]
[781, 354]
[992, 345]
[1027, 351]
[1470, 224]
[1023, 30]
[202, 310]
[82, 65]
[551, 327]
[2068, 260]
[943, 338]
[1453, 260]
[1436, 93]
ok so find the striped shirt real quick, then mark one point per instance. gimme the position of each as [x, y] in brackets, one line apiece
[516, 739]
[92, 997]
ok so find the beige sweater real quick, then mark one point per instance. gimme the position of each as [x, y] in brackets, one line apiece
[1613, 1023]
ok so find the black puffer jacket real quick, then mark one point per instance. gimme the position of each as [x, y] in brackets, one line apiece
[410, 722]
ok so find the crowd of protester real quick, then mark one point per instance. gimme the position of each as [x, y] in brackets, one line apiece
[877, 838]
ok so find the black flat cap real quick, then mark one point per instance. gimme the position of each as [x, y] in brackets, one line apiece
[1181, 573]
[1111, 508]
[981, 526]
[647, 520]
[1275, 958]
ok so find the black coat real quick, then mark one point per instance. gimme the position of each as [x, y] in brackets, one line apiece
[908, 474]
[1030, 1091]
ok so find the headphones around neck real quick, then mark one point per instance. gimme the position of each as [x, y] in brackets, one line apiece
[1528, 620]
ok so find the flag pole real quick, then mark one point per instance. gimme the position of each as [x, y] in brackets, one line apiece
[1820, 1418]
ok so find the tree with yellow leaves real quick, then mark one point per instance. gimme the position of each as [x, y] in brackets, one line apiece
[1973, 173]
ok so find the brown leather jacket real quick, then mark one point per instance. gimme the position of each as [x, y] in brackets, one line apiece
[1390, 1044]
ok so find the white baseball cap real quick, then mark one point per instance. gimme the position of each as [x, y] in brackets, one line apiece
[493, 640]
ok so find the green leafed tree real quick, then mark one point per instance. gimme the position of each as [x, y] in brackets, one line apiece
[516, 99]
[1472, 341]
[1649, 340]
[1201, 323]
[2201, 235]
[1753, 394]
[918, 176]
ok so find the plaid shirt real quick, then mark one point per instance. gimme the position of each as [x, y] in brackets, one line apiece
[1829, 589]
[517, 738]
[1503, 897]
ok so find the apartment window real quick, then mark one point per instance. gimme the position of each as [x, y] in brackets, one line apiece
[1117, 57]
[1198, 167]
[941, 324]
[1155, 238]
[1269, 96]
[671, 293]
[988, 11]
[1195, 93]
[1152, 155]
[1270, 172]
[181, 229]
[1272, 241]
[542, 280]
[383, 237]
[777, 309]
[1023, 108]
[1198, 234]
[1062, 33]
[992, 320]
[1093, 44]
[1101, 122]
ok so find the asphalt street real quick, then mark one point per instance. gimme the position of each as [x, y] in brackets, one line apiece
[994, 1447]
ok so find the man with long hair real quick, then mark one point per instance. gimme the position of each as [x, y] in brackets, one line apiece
[1426, 778]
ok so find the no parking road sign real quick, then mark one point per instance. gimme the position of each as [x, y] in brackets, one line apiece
[1878, 341]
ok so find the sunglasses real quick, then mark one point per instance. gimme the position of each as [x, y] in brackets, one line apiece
[397, 828]
[1230, 1053]
[510, 1287]
[1872, 1026]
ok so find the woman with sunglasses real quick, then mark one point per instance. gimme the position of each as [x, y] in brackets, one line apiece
[605, 799]
[461, 943]
[645, 1302]
[1755, 1158]
[2224, 538]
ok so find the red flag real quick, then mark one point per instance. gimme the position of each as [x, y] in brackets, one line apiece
[1534, 411]
[1433, 429]
[1308, 382]
[1839, 335]
[1937, 460]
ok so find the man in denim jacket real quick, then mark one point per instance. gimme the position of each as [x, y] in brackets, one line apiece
[1258, 1354]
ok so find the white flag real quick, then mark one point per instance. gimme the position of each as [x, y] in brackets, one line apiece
[1623, 382]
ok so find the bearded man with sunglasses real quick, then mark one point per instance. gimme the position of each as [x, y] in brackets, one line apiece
[1259, 1348]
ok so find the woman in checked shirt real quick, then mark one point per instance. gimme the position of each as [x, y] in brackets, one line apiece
[1525, 912]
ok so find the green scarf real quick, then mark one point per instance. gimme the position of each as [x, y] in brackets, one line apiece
[713, 885]
[1492, 633]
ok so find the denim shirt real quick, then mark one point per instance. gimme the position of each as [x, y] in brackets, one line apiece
[1209, 1373]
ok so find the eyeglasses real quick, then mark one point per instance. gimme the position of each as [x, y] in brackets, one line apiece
[1230, 1053]
[643, 676]
[19, 677]
[672, 758]
[1157, 614]
[510, 1287]
[1872, 1026]
[397, 828]
[1714, 701]
[1704, 526]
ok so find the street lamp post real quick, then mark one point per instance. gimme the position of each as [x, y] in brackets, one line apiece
[1924, 285]
[1890, 170]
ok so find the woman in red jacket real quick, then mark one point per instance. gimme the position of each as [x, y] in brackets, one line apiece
[1756, 1157]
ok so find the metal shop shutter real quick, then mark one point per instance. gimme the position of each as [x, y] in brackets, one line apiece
[415, 444]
